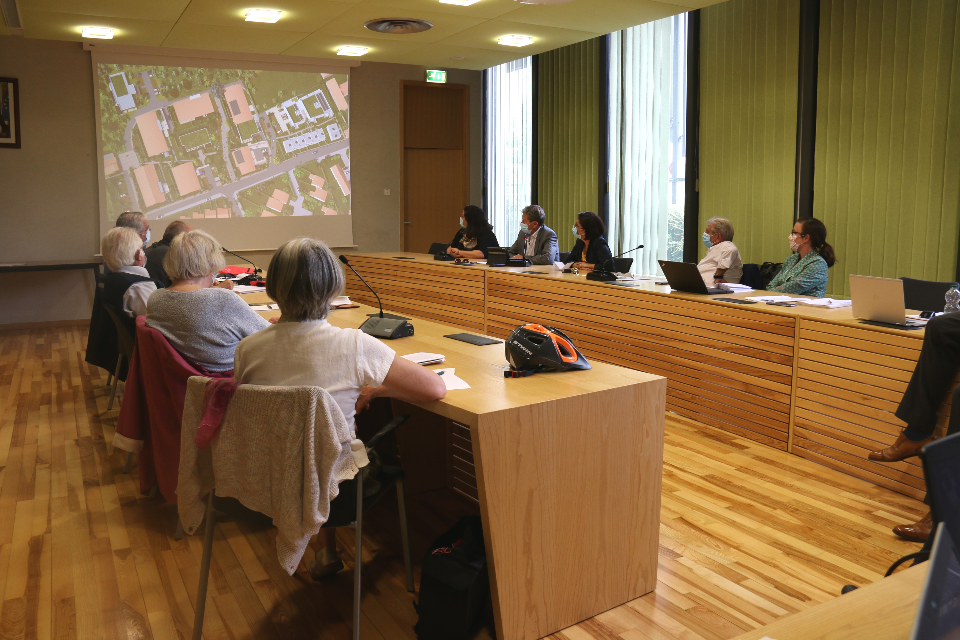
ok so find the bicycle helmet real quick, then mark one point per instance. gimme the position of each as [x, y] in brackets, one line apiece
[535, 347]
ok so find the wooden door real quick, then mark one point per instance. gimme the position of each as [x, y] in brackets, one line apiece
[436, 166]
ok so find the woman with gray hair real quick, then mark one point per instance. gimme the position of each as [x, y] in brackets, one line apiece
[722, 262]
[201, 320]
[303, 349]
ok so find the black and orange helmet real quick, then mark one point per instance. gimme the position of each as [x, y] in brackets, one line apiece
[535, 347]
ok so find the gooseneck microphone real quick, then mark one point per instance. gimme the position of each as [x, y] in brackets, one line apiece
[380, 327]
[344, 260]
[605, 276]
[255, 268]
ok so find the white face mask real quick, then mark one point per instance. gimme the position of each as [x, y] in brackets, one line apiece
[147, 241]
[794, 245]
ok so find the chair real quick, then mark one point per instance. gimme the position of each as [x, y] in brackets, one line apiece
[277, 436]
[438, 247]
[622, 265]
[925, 295]
[125, 344]
[564, 257]
[751, 276]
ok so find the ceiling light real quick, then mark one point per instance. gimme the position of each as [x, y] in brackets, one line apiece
[263, 15]
[462, 3]
[515, 41]
[104, 33]
[351, 51]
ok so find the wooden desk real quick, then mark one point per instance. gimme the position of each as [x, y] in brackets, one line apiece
[568, 473]
[884, 610]
[815, 382]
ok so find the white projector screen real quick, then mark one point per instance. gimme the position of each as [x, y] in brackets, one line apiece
[253, 156]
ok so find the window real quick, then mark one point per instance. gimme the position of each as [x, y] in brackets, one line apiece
[647, 161]
[508, 112]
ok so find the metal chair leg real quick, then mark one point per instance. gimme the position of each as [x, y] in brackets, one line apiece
[113, 388]
[210, 517]
[404, 536]
[128, 463]
[358, 558]
[109, 378]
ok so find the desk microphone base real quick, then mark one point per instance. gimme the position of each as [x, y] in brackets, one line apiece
[602, 276]
[387, 328]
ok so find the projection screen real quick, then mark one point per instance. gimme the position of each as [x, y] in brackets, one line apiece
[254, 156]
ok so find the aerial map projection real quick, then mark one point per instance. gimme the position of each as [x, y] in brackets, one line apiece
[186, 142]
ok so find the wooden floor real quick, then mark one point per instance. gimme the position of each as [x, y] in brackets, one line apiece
[748, 534]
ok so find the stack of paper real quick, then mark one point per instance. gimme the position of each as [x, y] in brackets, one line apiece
[340, 301]
[773, 299]
[425, 358]
[734, 287]
[264, 307]
[824, 303]
[245, 288]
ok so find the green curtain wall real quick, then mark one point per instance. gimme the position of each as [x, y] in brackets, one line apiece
[748, 122]
[888, 138]
[568, 130]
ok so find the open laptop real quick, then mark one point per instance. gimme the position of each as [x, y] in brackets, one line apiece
[500, 257]
[938, 616]
[684, 276]
[879, 301]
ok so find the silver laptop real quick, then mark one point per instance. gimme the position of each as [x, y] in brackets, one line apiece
[879, 300]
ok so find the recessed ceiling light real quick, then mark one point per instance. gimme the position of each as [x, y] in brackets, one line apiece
[104, 33]
[351, 51]
[458, 57]
[398, 26]
[263, 15]
[515, 41]
[462, 3]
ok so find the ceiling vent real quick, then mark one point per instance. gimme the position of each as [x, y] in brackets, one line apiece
[397, 26]
[11, 16]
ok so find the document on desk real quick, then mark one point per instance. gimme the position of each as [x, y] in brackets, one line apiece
[264, 307]
[824, 303]
[734, 287]
[424, 358]
[245, 288]
[451, 380]
[773, 299]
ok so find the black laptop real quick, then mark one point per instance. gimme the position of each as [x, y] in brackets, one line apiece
[500, 257]
[938, 616]
[684, 276]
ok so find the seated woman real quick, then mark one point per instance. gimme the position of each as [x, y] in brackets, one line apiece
[202, 321]
[591, 248]
[722, 262]
[304, 349]
[805, 271]
[127, 285]
[475, 235]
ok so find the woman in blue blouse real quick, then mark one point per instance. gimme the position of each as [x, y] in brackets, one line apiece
[805, 271]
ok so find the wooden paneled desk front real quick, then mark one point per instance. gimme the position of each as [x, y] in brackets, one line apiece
[814, 382]
[568, 476]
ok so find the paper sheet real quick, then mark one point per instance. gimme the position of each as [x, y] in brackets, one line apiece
[773, 299]
[245, 288]
[265, 307]
[450, 380]
[422, 357]
[825, 303]
[735, 288]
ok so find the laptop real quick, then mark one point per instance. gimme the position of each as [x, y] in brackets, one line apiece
[879, 301]
[938, 616]
[684, 276]
[500, 257]
[941, 469]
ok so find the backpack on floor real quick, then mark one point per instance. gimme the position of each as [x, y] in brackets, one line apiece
[453, 584]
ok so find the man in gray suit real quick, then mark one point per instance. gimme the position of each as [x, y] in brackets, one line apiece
[535, 242]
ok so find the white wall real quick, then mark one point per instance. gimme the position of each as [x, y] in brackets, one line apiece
[48, 189]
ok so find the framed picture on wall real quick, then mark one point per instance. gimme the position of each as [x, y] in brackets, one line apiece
[9, 113]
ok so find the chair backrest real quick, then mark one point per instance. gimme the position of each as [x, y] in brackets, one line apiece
[278, 451]
[622, 265]
[124, 337]
[751, 276]
[564, 257]
[925, 295]
[438, 247]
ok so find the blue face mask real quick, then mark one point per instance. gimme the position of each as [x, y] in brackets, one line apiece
[706, 240]
[575, 232]
[525, 228]
[463, 225]
[147, 241]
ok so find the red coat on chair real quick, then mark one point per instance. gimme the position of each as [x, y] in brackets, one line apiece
[152, 408]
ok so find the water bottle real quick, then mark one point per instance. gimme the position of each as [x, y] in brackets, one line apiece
[952, 298]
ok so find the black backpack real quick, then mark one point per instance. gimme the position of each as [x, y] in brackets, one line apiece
[453, 583]
[768, 271]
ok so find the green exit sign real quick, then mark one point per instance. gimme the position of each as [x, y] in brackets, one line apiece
[433, 75]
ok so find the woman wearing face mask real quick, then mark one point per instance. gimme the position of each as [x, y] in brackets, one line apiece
[475, 235]
[591, 248]
[202, 321]
[805, 271]
[722, 262]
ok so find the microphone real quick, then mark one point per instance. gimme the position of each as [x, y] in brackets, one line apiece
[380, 327]
[344, 260]
[603, 275]
[255, 269]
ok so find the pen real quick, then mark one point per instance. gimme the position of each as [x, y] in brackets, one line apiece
[440, 373]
